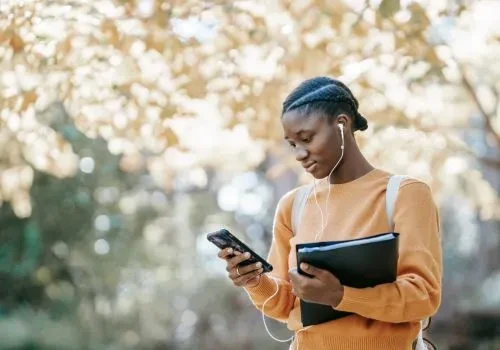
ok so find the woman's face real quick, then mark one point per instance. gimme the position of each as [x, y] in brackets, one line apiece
[315, 141]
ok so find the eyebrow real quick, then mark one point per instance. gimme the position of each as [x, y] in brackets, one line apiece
[300, 132]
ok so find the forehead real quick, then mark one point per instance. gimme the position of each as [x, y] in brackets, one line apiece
[294, 122]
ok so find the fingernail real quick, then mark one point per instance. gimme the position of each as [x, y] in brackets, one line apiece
[247, 255]
[304, 266]
[259, 264]
[230, 250]
[260, 270]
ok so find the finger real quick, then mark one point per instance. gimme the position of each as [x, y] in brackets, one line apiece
[298, 293]
[241, 280]
[244, 279]
[314, 271]
[295, 277]
[296, 282]
[233, 262]
[243, 270]
[239, 271]
[224, 253]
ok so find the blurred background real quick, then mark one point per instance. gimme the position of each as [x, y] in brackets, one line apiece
[130, 129]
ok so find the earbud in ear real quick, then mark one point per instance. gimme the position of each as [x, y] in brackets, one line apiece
[341, 127]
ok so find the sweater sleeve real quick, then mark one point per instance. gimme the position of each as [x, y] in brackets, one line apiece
[416, 293]
[277, 282]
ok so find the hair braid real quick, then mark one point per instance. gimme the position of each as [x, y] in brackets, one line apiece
[325, 95]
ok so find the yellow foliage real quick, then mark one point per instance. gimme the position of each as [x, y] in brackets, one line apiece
[125, 70]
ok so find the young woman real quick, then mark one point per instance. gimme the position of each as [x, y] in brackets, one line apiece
[319, 117]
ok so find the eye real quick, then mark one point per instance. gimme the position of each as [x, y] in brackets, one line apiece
[307, 139]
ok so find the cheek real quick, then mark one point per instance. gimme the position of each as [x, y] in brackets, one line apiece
[324, 146]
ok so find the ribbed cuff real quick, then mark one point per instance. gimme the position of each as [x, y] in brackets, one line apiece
[265, 287]
[380, 342]
[352, 299]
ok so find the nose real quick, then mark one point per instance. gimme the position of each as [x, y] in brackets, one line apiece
[300, 153]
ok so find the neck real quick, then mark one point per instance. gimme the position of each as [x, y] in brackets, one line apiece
[353, 165]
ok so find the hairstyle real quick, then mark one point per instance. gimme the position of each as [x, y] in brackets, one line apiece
[328, 96]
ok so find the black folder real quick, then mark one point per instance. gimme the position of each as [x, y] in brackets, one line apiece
[359, 263]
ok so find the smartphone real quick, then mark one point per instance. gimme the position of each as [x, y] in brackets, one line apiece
[224, 239]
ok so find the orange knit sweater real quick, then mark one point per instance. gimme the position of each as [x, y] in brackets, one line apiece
[386, 316]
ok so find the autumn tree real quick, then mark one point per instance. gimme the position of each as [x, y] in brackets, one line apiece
[176, 89]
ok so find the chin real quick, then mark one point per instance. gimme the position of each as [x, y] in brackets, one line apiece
[320, 177]
[318, 174]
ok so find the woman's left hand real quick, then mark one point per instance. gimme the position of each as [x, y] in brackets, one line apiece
[322, 288]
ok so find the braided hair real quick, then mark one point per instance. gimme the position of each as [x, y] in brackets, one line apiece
[328, 96]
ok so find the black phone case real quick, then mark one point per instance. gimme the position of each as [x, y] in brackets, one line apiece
[224, 239]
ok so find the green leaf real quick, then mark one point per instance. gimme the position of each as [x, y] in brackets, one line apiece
[388, 8]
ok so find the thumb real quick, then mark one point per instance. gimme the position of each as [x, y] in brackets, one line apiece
[314, 271]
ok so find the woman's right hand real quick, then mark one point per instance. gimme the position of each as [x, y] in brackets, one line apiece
[242, 276]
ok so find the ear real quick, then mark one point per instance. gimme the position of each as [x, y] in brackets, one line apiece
[346, 120]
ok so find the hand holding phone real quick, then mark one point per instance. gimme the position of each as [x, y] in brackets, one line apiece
[224, 239]
[241, 276]
[244, 266]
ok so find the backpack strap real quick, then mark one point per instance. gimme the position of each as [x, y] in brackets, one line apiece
[391, 195]
[299, 202]
[390, 203]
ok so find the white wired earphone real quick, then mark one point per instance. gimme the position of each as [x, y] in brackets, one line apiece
[320, 232]
[324, 222]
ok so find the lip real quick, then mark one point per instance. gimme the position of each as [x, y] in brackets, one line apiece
[311, 167]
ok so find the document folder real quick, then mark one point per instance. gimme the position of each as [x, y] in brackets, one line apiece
[359, 263]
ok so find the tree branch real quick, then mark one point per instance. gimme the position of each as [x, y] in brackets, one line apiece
[486, 116]
[492, 162]
[466, 82]
[360, 15]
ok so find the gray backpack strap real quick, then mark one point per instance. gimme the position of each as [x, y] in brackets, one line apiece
[390, 197]
[299, 202]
